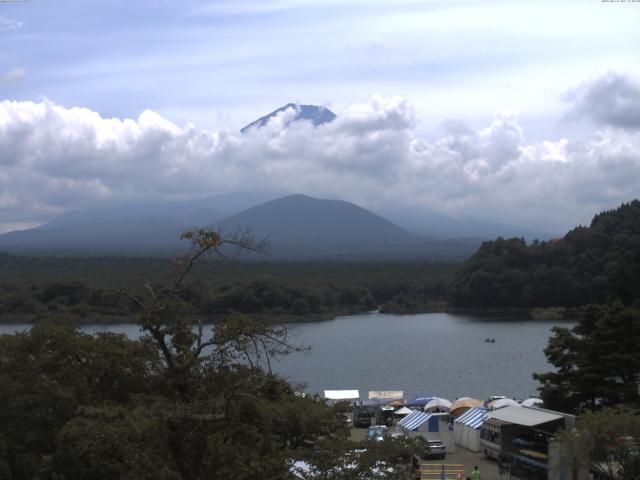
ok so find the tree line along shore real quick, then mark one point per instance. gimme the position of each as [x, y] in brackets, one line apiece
[91, 289]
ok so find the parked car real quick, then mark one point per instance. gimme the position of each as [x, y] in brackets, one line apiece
[434, 449]
[377, 432]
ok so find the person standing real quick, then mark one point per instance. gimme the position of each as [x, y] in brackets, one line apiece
[507, 470]
[475, 475]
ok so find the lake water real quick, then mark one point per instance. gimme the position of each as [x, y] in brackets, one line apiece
[434, 354]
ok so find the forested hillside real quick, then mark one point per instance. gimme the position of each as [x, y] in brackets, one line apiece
[91, 289]
[589, 265]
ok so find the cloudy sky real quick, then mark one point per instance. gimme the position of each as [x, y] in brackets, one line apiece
[521, 112]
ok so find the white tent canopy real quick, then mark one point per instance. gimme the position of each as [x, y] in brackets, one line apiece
[404, 411]
[438, 404]
[341, 395]
[502, 403]
[530, 402]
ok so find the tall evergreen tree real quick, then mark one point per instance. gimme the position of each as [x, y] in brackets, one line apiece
[597, 361]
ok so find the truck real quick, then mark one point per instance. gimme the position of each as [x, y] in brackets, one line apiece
[491, 438]
[362, 418]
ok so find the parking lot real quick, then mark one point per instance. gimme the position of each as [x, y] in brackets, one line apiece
[459, 463]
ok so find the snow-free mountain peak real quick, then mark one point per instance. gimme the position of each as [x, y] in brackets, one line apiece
[300, 219]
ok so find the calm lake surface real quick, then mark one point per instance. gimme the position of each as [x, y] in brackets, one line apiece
[435, 354]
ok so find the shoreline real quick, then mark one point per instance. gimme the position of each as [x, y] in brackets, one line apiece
[530, 313]
[551, 313]
[207, 320]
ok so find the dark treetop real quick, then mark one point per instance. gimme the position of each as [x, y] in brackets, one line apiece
[589, 264]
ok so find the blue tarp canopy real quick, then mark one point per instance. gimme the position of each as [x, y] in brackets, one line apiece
[473, 417]
[419, 401]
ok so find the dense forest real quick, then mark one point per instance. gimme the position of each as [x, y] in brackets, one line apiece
[92, 288]
[588, 265]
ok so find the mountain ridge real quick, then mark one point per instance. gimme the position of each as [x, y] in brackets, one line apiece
[299, 226]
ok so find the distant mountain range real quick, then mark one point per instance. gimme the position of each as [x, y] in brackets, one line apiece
[317, 115]
[298, 226]
[133, 228]
[423, 221]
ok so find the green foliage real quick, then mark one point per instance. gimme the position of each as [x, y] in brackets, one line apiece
[289, 296]
[90, 289]
[588, 265]
[610, 439]
[5, 469]
[427, 297]
[29, 301]
[369, 460]
[597, 361]
[109, 441]
[181, 403]
[46, 374]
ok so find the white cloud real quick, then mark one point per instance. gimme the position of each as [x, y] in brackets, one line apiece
[12, 227]
[54, 158]
[13, 75]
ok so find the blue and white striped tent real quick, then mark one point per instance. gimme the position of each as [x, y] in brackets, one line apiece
[466, 428]
[425, 422]
[473, 418]
[414, 420]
